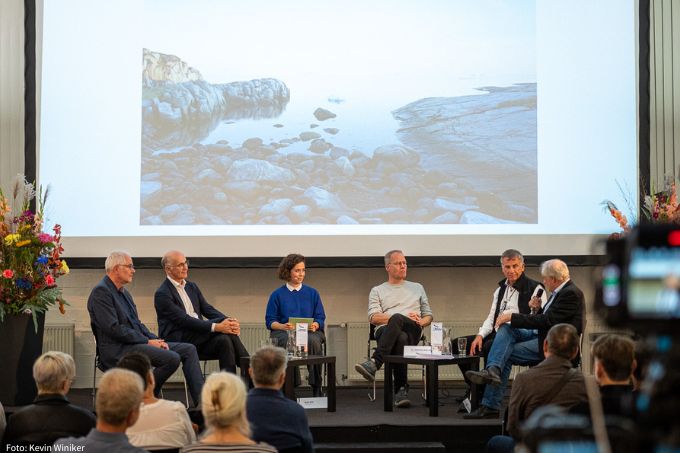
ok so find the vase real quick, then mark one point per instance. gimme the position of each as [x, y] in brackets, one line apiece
[20, 346]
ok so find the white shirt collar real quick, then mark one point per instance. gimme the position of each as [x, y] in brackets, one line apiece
[292, 288]
[561, 286]
[177, 284]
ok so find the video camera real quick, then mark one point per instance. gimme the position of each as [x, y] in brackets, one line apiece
[640, 286]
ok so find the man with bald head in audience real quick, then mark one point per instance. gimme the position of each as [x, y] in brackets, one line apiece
[185, 315]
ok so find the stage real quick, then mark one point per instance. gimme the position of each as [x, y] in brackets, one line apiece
[361, 425]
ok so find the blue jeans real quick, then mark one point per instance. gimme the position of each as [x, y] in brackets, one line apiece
[510, 347]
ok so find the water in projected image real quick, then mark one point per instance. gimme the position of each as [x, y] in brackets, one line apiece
[427, 115]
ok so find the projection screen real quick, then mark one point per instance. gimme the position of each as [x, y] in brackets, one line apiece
[346, 128]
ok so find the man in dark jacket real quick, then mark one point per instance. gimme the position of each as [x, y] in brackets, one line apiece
[184, 315]
[274, 418]
[518, 342]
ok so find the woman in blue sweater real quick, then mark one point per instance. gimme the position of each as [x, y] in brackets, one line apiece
[295, 300]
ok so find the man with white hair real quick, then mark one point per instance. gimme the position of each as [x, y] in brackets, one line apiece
[117, 404]
[116, 324]
[518, 342]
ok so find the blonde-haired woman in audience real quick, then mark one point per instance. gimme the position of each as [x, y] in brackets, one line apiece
[51, 416]
[223, 403]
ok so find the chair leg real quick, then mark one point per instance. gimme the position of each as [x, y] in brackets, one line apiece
[94, 382]
[371, 397]
[186, 391]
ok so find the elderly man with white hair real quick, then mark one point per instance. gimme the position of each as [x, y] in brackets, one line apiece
[51, 415]
[116, 324]
[518, 342]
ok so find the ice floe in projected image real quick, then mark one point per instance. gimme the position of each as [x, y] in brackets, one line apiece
[250, 152]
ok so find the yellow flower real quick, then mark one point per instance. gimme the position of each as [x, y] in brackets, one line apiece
[64, 267]
[24, 242]
[11, 239]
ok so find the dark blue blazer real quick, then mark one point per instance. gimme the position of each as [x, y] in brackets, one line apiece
[114, 318]
[174, 324]
[567, 307]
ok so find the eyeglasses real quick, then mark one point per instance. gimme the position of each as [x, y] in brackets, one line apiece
[129, 266]
[184, 264]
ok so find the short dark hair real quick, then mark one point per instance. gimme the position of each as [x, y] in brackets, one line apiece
[563, 340]
[616, 353]
[287, 264]
[267, 364]
[137, 362]
[512, 253]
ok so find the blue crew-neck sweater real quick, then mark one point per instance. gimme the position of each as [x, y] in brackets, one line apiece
[284, 303]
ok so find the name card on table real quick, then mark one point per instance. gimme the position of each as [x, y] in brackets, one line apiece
[415, 351]
[301, 335]
[437, 334]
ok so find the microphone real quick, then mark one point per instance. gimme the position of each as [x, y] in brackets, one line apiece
[539, 294]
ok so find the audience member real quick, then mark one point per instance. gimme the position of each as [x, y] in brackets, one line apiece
[518, 342]
[274, 418]
[184, 315]
[614, 364]
[553, 381]
[117, 404]
[512, 296]
[161, 423]
[116, 324]
[399, 309]
[295, 300]
[51, 416]
[223, 405]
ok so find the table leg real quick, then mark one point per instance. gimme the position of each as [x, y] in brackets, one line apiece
[388, 390]
[474, 401]
[289, 386]
[433, 389]
[331, 386]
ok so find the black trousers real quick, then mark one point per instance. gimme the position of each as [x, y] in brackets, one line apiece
[399, 332]
[486, 347]
[227, 348]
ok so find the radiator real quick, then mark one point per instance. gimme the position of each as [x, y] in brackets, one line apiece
[59, 337]
[357, 341]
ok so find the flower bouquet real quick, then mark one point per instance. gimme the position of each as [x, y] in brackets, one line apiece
[30, 260]
[660, 207]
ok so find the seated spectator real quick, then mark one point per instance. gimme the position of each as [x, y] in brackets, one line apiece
[553, 381]
[51, 416]
[117, 405]
[274, 418]
[162, 423]
[614, 364]
[223, 404]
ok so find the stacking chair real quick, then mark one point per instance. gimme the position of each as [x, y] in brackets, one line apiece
[370, 348]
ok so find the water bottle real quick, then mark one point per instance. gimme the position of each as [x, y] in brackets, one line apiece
[290, 345]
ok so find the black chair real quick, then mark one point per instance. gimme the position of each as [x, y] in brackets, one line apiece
[98, 365]
[370, 349]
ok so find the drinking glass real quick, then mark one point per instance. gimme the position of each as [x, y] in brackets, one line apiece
[462, 346]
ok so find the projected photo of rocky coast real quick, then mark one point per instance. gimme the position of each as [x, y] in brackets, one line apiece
[224, 153]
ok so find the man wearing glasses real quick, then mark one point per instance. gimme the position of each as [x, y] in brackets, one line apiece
[118, 330]
[511, 296]
[399, 309]
[185, 315]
